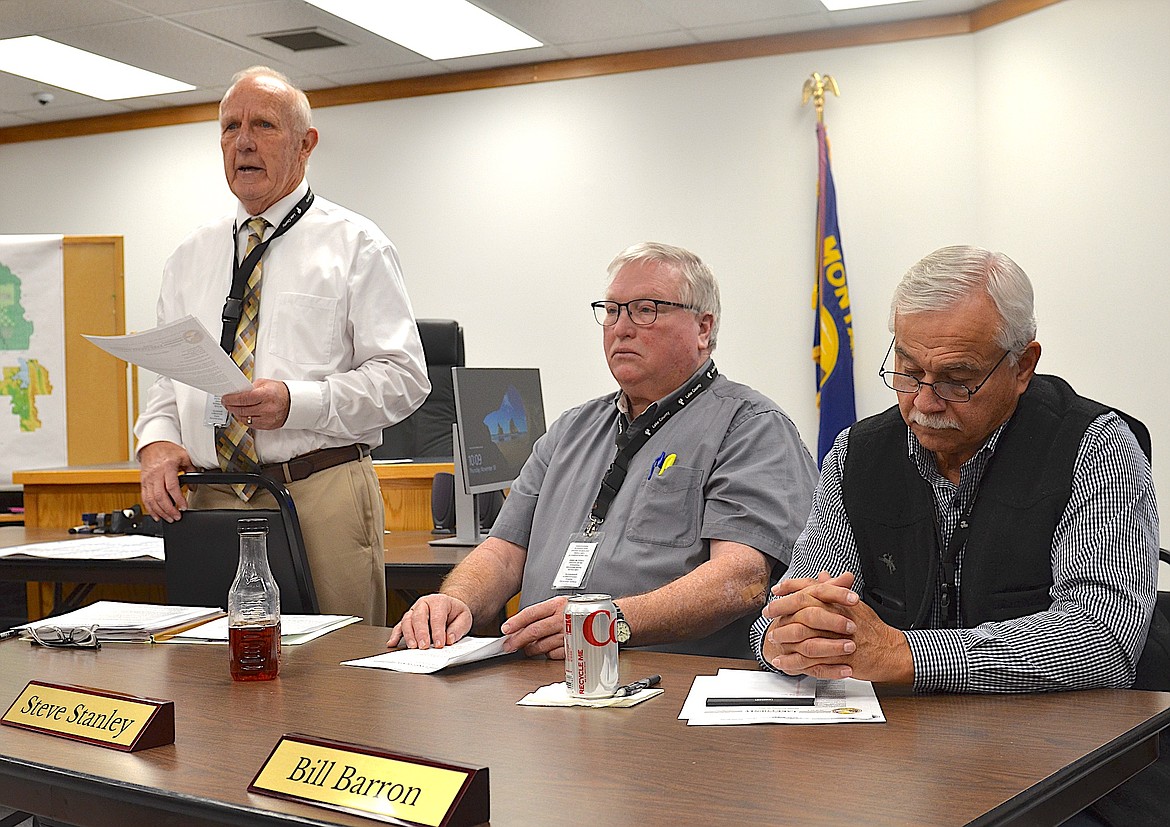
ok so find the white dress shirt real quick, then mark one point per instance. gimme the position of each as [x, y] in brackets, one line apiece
[336, 327]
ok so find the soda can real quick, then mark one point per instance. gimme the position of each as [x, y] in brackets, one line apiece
[591, 652]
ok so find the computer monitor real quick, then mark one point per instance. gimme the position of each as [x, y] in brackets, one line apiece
[499, 415]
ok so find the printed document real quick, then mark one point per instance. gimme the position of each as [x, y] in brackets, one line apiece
[836, 702]
[129, 622]
[294, 629]
[425, 661]
[182, 350]
[94, 547]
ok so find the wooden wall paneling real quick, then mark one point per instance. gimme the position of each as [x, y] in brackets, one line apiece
[97, 415]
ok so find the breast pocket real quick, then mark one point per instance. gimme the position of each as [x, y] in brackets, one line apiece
[305, 329]
[666, 511]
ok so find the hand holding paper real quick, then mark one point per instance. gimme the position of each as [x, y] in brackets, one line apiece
[182, 350]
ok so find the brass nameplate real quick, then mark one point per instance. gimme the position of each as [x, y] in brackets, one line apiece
[400, 789]
[108, 719]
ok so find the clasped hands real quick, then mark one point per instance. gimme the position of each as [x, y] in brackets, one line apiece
[820, 627]
[438, 620]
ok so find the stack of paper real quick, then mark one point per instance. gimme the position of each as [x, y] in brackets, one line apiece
[129, 622]
[294, 629]
[736, 696]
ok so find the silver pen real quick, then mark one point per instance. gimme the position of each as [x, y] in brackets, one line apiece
[637, 686]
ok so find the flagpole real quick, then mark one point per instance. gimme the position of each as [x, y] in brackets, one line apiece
[832, 340]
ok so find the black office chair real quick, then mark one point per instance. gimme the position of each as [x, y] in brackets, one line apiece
[203, 549]
[427, 431]
[1143, 799]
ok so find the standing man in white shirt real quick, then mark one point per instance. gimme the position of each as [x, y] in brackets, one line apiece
[326, 335]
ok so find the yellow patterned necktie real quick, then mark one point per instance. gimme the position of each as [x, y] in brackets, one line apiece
[235, 443]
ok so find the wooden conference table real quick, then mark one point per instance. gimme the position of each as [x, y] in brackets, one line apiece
[940, 760]
[56, 497]
[412, 566]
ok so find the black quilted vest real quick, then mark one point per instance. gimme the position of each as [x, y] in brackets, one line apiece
[1007, 561]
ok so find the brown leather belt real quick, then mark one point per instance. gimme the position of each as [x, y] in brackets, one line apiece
[304, 466]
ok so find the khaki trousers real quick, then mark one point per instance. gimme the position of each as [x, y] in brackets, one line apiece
[342, 519]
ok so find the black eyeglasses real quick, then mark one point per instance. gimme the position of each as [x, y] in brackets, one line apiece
[947, 391]
[77, 637]
[640, 311]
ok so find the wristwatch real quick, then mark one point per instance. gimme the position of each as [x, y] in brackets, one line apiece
[621, 627]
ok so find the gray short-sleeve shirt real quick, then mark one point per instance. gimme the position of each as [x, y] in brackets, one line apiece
[740, 472]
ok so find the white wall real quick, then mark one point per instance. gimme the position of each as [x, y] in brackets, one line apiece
[1043, 137]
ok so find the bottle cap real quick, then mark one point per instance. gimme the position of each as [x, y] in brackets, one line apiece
[252, 525]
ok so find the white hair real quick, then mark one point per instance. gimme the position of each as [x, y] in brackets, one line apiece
[950, 274]
[697, 286]
[302, 113]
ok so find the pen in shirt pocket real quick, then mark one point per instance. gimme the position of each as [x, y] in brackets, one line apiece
[663, 462]
[656, 465]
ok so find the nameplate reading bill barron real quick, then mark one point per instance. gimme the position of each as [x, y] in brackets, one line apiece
[95, 716]
[390, 787]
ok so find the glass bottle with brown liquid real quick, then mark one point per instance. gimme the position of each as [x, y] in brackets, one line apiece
[253, 608]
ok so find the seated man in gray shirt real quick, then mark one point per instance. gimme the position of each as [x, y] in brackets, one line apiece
[683, 522]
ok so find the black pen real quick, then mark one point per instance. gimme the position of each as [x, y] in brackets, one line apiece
[637, 686]
[11, 633]
[769, 701]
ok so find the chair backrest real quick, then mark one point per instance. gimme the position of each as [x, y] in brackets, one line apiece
[427, 431]
[1153, 669]
[203, 549]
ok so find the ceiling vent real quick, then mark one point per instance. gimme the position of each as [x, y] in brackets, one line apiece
[302, 40]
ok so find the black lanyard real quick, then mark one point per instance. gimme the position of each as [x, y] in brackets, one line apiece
[631, 440]
[233, 307]
[953, 551]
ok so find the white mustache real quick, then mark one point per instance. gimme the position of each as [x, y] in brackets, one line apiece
[936, 421]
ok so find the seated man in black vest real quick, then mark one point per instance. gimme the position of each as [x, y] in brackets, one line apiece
[994, 532]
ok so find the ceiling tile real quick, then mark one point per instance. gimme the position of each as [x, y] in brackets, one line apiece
[204, 42]
[562, 23]
[690, 15]
[22, 17]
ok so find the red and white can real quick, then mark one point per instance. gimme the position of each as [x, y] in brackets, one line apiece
[591, 651]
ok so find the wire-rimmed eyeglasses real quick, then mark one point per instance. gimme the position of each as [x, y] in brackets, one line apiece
[76, 637]
[640, 311]
[947, 391]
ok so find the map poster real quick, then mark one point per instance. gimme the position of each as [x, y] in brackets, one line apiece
[32, 353]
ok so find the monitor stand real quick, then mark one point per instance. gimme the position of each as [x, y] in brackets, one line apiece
[467, 532]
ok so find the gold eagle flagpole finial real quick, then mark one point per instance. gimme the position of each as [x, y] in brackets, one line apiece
[814, 90]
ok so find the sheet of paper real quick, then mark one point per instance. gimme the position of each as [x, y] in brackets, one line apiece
[425, 661]
[100, 547]
[294, 629]
[182, 350]
[837, 702]
[753, 683]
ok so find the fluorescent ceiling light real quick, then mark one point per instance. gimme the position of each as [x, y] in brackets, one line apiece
[841, 5]
[438, 29]
[55, 63]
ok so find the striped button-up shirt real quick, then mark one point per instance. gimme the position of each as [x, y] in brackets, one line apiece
[1104, 572]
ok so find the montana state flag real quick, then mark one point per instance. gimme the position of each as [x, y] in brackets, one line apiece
[832, 349]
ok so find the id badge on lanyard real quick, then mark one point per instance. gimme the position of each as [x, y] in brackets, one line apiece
[215, 414]
[578, 561]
